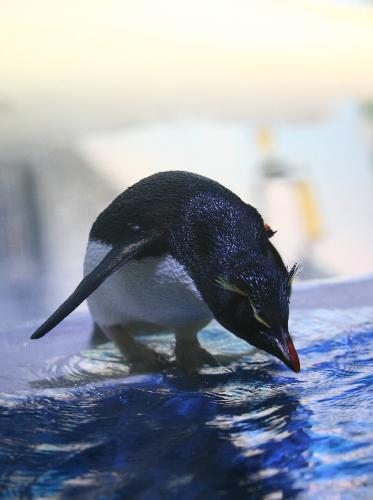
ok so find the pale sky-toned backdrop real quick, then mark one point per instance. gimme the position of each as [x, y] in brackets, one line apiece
[78, 65]
[139, 86]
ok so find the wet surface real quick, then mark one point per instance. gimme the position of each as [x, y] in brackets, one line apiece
[74, 422]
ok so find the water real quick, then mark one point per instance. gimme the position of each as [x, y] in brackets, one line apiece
[76, 423]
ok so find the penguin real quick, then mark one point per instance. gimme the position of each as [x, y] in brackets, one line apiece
[172, 252]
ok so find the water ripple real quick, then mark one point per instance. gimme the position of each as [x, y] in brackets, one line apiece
[88, 428]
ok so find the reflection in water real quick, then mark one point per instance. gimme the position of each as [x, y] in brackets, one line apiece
[85, 428]
[156, 435]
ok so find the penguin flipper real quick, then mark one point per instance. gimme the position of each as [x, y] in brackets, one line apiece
[117, 257]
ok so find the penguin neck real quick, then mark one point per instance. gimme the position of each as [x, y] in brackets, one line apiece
[207, 272]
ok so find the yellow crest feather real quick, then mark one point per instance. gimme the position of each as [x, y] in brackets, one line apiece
[256, 315]
[230, 286]
[293, 273]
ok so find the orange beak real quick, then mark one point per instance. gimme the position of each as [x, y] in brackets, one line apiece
[287, 352]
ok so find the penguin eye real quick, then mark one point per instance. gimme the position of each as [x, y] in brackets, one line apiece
[256, 315]
[234, 288]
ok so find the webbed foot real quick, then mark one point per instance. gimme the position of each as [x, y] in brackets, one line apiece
[190, 356]
[140, 357]
[145, 360]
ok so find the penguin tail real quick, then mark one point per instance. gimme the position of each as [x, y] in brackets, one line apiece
[116, 258]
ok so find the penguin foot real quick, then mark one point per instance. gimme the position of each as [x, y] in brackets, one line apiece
[190, 357]
[140, 357]
[151, 361]
[143, 359]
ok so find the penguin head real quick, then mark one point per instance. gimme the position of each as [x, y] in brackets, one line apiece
[254, 305]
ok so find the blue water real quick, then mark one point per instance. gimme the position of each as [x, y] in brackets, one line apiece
[80, 425]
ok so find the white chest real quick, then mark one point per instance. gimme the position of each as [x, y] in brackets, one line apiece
[155, 290]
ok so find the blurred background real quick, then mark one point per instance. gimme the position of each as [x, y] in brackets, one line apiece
[274, 99]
